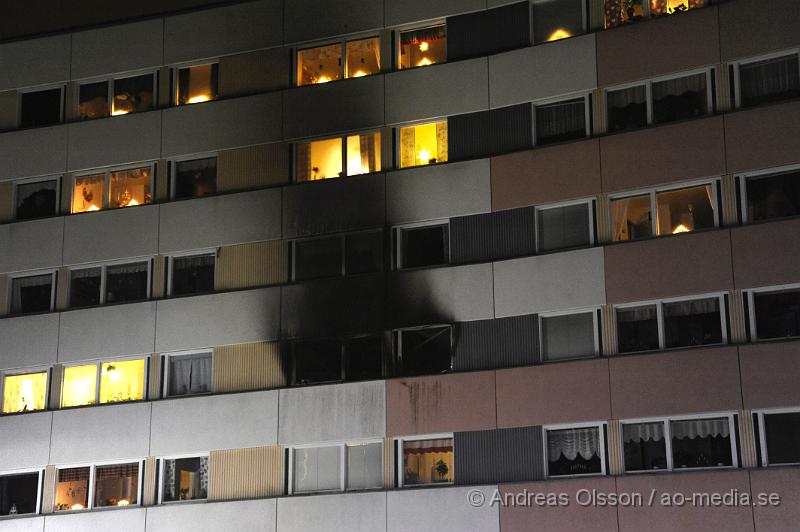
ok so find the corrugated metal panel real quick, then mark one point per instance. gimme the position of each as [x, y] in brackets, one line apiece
[49, 489]
[615, 464]
[468, 136]
[747, 439]
[252, 167]
[149, 482]
[246, 473]
[608, 329]
[159, 276]
[737, 317]
[510, 129]
[162, 181]
[8, 110]
[56, 379]
[723, 80]
[62, 289]
[598, 112]
[603, 220]
[388, 463]
[251, 265]
[500, 29]
[730, 215]
[154, 377]
[493, 236]
[504, 455]
[496, 343]
[241, 367]
[254, 72]
[4, 303]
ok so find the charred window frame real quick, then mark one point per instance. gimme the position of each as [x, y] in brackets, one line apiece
[422, 245]
[345, 359]
[337, 255]
[426, 350]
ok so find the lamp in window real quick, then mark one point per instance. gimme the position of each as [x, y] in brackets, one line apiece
[123, 502]
[560, 33]
[113, 373]
[686, 224]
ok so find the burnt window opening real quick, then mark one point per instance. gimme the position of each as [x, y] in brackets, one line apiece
[425, 351]
[424, 246]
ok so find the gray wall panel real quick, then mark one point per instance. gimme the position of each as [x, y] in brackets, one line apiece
[441, 510]
[420, 10]
[31, 244]
[116, 140]
[438, 90]
[29, 524]
[202, 424]
[33, 152]
[312, 19]
[354, 512]
[27, 441]
[111, 234]
[29, 341]
[107, 331]
[504, 455]
[130, 520]
[35, 61]
[496, 343]
[218, 319]
[242, 516]
[118, 48]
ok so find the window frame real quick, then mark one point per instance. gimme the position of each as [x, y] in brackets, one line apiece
[172, 165]
[750, 293]
[107, 171]
[743, 178]
[39, 489]
[397, 340]
[160, 484]
[165, 375]
[26, 371]
[31, 181]
[342, 41]
[555, 314]
[42, 88]
[587, 109]
[182, 255]
[111, 80]
[98, 363]
[431, 23]
[400, 457]
[342, 245]
[342, 445]
[92, 484]
[590, 202]
[32, 273]
[397, 244]
[737, 84]
[174, 70]
[103, 278]
[762, 435]
[602, 428]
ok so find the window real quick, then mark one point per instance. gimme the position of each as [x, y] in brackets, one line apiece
[626, 108]
[622, 11]
[338, 255]
[637, 329]
[557, 19]
[184, 479]
[194, 178]
[32, 293]
[780, 437]
[36, 199]
[72, 489]
[85, 287]
[112, 485]
[19, 493]
[117, 381]
[561, 121]
[114, 283]
[426, 461]
[563, 227]
[192, 274]
[25, 392]
[112, 189]
[644, 446]
[426, 245]
[188, 374]
[423, 47]
[119, 96]
[322, 64]
[680, 210]
[41, 107]
[425, 350]
[197, 83]
[774, 313]
[567, 336]
[351, 466]
[767, 197]
[423, 144]
[767, 80]
[329, 158]
[332, 360]
[574, 451]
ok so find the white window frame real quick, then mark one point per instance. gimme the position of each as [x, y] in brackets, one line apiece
[174, 73]
[107, 184]
[432, 23]
[173, 166]
[589, 202]
[103, 277]
[32, 273]
[397, 335]
[342, 41]
[762, 435]
[587, 115]
[397, 232]
[98, 363]
[178, 354]
[41, 88]
[343, 139]
[111, 80]
[342, 446]
[571, 312]
[743, 178]
[601, 427]
[182, 255]
[398, 443]
[32, 180]
[666, 421]
[750, 295]
[398, 145]
[161, 464]
[737, 85]
[26, 371]
[91, 491]
[24, 471]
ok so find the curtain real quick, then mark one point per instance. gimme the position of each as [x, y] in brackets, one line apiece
[642, 432]
[408, 154]
[691, 308]
[573, 442]
[700, 428]
[190, 374]
[622, 98]
[20, 288]
[613, 13]
[367, 146]
[560, 119]
[773, 76]
[679, 86]
[441, 142]
[619, 217]
[428, 446]
[637, 314]
[303, 161]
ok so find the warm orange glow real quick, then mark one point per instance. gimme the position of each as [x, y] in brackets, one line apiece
[363, 153]
[680, 229]
[24, 393]
[132, 202]
[123, 502]
[322, 79]
[560, 33]
[423, 144]
[424, 62]
[199, 99]
[424, 156]
[359, 74]
[76, 507]
[117, 112]
[93, 208]
[423, 46]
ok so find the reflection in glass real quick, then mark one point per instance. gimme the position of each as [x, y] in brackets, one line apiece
[132, 95]
[422, 47]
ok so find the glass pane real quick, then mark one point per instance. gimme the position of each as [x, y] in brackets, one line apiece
[84, 287]
[87, 193]
[321, 159]
[363, 358]
[570, 336]
[127, 282]
[423, 47]
[319, 65]
[685, 210]
[24, 393]
[769, 80]
[72, 489]
[644, 446]
[627, 108]
[637, 329]
[80, 386]
[690, 323]
[427, 461]
[774, 196]
[185, 479]
[364, 466]
[130, 187]
[681, 98]
[192, 275]
[31, 294]
[133, 95]
[197, 84]
[363, 252]
[116, 485]
[19, 493]
[622, 11]
[423, 144]
[317, 361]
[425, 246]
[317, 469]
[363, 57]
[195, 178]
[573, 452]
[556, 19]
[777, 314]
[316, 258]
[782, 432]
[36, 200]
[40, 108]
[563, 227]
[121, 381]
[426, 351]
[93, 100]
[631, 218]
[561, 121]
[670, 7]
[701, 443]
[363, 153]
[190, 374]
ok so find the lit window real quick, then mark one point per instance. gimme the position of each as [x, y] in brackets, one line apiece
[325, 159]
[116, 485]
[775, 314]
[36, 199]
[423, 246]
[80, 386]
[126, 188]
[184, 479]
[19, 494]
[561, 121]
[622, 11]
[772, 196]
[423, 144]
[195, 178]
[564, 227]
[671, 7]
[116, 283]
[72, 489]
[363, 57]
[87, 193]
[769, 80]
[33, 293]
[25, 392]
[428, 461]
[782, 437]
[197, 84]
[424, 351]
[120, 96]
[192, 275]
[423, 47]
[363, 153]
[41, 108]
[122, 381]
[188, 374]
[556, 19]
[575, 451]
[324, 63]
[569, 336]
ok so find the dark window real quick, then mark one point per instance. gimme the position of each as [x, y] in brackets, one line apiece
[425, 351]
[690, 323]
[680, 98]
[560, 121]
[317, 361]
[31, 294]
[363, 252]
[40, 108]
[556, 19]
[637, 329]
[84, 287]
[18, 493]
[573, 452]
[127, 282]
[563, 227]
[701, 443]
[782, 432]
[93, 100]
[189, 374]
[644, 446]
[363, 358]
[777, 314]
[424, 246]
[198, 84]
[195, 178]
[769, 80]
[36, 200]
[774, 196]
[192, 275]
[133, 95]
[318, 257]
[627, 108]
[568, 336]
[185, 479]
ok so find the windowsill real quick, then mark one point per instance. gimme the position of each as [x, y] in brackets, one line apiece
[181, 502]
[581, 475]
[296, 181]
[334, 81]
[427, 485]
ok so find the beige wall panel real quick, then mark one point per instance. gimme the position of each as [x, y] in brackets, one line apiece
[608, 328]
[8, 110]
[56, 378]
[747, 439]
[615, 464]
[730, 215]
[49, 489]
[62, 289]
[149, 488]
[253, 167]
[737, 317]
[154, 377]
[246, 473]
[603, 219]
[254, 72]
[388, 463]
[159, 276]
[243, 367]
[6, 202]
[251, 265]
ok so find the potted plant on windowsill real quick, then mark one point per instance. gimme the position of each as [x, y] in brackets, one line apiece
[441, 469]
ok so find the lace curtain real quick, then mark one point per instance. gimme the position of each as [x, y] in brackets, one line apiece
[573, 442]
[700, 428]
[643, 432]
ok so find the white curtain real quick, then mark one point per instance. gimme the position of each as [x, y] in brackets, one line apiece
[691, 308]
[635, 432]
[573, 442]
[700, 428]
[637, 314]
[560, 119]
[773, 76]
[190, 374]
[679, 86]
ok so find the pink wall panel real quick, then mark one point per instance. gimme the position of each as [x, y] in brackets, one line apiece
[766, 254]
[749, 27]
[770, 374]
[786, 483]
[763, 137]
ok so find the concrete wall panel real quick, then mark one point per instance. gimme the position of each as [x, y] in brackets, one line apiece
[35, 61]
[420, 10]
[763, 137]
[116, 140]
[28, 442]
[747, 29]
[111, 235]
[28, 524]
[31, 244]
[786, 483]
[770, 374]
[33, 152]
[354, 512]
[128, 520]
[440, 510]
[28, 341]
[314, 19]
[780, 241]
[107, 331]
[118, 48]
[242, 516]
